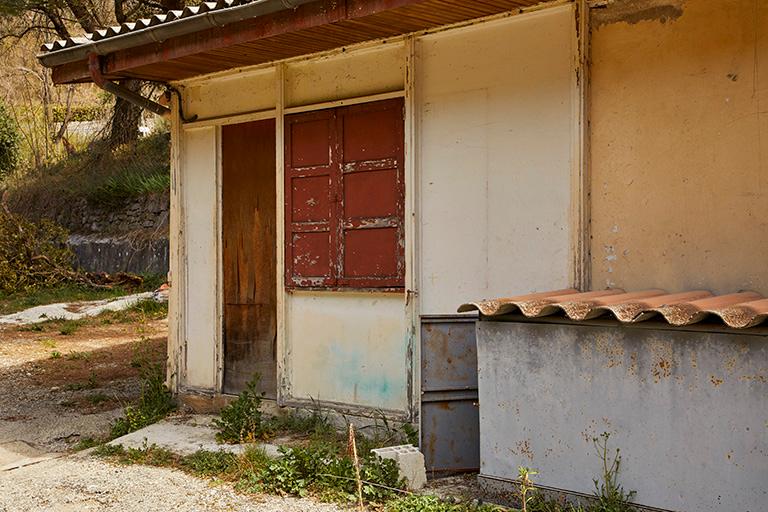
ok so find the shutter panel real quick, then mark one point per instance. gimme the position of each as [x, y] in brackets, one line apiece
[310, 237]
[372, 186]
[345, 197]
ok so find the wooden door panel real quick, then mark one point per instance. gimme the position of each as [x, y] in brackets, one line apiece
[249, 254]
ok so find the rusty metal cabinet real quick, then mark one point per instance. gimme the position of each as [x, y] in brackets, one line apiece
[450, 424]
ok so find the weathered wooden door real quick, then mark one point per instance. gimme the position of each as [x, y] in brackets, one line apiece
[249, 255]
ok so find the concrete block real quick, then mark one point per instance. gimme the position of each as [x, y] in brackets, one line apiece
[410, 463]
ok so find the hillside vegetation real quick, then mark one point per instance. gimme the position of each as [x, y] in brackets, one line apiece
[101, 175]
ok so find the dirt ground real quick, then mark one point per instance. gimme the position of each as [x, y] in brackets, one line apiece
[59, 389]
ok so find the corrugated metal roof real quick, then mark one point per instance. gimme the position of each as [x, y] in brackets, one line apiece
[222, 35]
[134, 26]
[738, 310]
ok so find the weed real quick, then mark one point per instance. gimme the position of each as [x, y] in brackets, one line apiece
[98, 398]
[411, 434]
[525, 488]
[85, 443]
[38, 327]
[92, 383]
[241, 420]
[424, 503]
[150, 308]
[55, 354]
[69, 327]
[109, 450]
[128, 184]
[48, 343]
[151, 455]
[79, 356]
[155, 402]
[207, 463]
[307, 470]
[611, 496]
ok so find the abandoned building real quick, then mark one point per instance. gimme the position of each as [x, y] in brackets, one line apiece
[347, 173]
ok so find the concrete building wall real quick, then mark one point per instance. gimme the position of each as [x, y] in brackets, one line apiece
[679, 138]
[496, 125]
[687, 409]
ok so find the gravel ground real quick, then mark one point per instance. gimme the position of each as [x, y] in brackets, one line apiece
[82, 483]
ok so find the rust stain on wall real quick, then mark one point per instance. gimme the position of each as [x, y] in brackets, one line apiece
[677, 120]
[635, 11]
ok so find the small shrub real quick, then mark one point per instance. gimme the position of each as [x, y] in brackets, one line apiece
[9, 143]
[319, 470]
[241, 421]
[207, 463]
[70, 327]
[55, 354]
[155, 402]
[33, 255]
[77, 113]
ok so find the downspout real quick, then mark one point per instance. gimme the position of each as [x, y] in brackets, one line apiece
[94, 66]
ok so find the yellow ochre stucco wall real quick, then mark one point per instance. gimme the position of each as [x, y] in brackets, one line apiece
[679, 145]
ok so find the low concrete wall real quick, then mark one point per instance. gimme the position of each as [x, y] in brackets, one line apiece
[98, 254]
[688, 409]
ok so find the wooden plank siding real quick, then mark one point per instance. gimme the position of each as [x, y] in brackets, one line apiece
[249, 254]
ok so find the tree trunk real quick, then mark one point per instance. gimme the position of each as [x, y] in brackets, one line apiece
[124, 128]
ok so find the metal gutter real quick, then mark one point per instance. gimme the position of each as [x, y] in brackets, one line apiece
[94, 66]
[166, 30]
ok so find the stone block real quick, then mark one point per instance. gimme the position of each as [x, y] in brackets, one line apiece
[410, 462]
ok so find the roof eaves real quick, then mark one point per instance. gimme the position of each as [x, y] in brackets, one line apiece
[159, 28]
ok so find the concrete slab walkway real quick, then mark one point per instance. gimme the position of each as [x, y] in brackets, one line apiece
[184, 435]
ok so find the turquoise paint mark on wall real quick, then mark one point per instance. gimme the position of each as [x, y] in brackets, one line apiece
[370, 381]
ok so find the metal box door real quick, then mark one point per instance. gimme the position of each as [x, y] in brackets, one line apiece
[450, 424]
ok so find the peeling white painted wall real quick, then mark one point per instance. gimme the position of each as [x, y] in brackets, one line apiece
[492, 156]
[235, 93]
[200, 204]
[345, 75]
[349, 348]
[496, 129]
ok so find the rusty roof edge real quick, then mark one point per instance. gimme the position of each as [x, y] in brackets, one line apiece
[166, 30]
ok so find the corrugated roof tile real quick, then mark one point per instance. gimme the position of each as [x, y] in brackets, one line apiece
[738, 310]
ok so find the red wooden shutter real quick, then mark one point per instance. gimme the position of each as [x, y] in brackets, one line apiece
[310, 237]
[373, 190]
[345, 197]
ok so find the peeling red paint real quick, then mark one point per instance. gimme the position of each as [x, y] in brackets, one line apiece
[346, 201]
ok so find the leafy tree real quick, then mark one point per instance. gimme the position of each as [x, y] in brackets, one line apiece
[61, 19]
